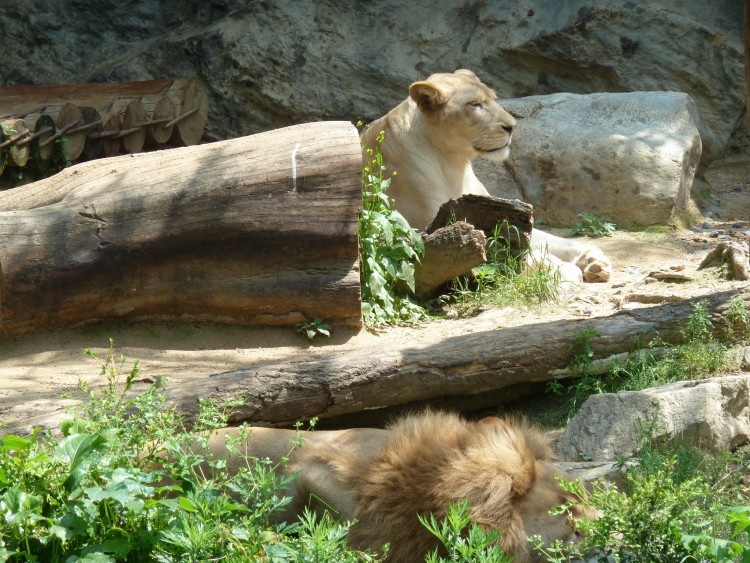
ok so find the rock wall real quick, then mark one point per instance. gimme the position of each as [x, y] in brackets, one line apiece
[272, 64]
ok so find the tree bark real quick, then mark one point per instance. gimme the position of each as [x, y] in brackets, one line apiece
[471, 364]
[472, 370]
[65, 116]
[19, 154]
[256, 230]
[450, 252]
[508, 220]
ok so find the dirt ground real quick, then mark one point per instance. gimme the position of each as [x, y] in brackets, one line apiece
[40, 372]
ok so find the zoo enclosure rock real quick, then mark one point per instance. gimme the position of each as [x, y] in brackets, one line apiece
[630, 158]
[273, 64]
[711, 414]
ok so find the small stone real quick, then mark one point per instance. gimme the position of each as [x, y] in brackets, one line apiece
[737, 189]
[719, 213]
[706, 225]
[714, 234]
[737, 226]
[746, 233]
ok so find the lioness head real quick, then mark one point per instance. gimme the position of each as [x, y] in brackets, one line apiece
[463, 115]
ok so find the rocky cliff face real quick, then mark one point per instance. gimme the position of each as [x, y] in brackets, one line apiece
[270, 64]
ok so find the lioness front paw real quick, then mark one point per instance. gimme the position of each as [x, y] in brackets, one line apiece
[596, 267]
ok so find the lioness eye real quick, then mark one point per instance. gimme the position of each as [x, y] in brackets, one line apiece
[475, 104]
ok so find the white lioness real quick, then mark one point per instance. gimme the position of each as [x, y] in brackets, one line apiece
[430, 140]
[384, 478]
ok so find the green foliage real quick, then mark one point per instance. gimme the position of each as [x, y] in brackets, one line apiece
[98, 494]
[463, 540]
[388, 248]
[698, 356]
[738, 320]
[311, 329]
[670, 509]
[504, 280]
[592, 226]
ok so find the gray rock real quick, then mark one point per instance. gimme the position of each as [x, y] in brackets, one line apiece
[629, 158]
[713, 414]
[271, 64]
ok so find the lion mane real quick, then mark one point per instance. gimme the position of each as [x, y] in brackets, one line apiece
[502, 467]
[383, 479]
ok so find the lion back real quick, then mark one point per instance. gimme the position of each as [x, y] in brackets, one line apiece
[434, 459]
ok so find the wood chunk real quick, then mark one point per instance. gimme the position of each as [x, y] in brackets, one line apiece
[449, 252]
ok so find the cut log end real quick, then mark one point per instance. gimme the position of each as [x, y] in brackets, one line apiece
[191, 101]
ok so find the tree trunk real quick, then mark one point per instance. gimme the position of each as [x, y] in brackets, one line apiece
[472, 370]
[256, 230]
[471, 364]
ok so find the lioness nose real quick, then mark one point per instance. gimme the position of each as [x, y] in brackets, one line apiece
[509, 128]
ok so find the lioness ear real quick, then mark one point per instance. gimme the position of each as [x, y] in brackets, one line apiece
[428, 96]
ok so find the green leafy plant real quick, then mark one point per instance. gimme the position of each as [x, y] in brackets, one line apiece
[463, 540]
[389, 248]
[313, 328]
[99, 492]
[657, 364]
[592, 226]
[504, 280]
[670, 508]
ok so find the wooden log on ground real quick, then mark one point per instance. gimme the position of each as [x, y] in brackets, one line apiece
[473, 369]
[92, 125]
[3, 151]
[43, 127]
[188, 96]
[450, 252]
[159, 111]
[191, 105]
[65, 116]
[18, 153]
[111, 142]
[256, 230]
[132, 116]
[510, 220]
[482, 365]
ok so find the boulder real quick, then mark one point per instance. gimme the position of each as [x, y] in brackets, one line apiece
[712, 414]
[627, 157]
[273, 64]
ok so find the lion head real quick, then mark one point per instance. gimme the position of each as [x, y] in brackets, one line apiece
[502, 467]
[431, 138]
[463, 116]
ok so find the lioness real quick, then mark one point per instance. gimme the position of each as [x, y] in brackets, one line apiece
[420, 465]
[430, 140]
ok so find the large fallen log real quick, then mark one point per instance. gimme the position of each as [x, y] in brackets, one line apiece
[480, 365]
[256, 230]
[472, 370]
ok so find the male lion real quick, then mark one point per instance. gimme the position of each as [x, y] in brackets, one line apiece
[430, 140]
[420, 465]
